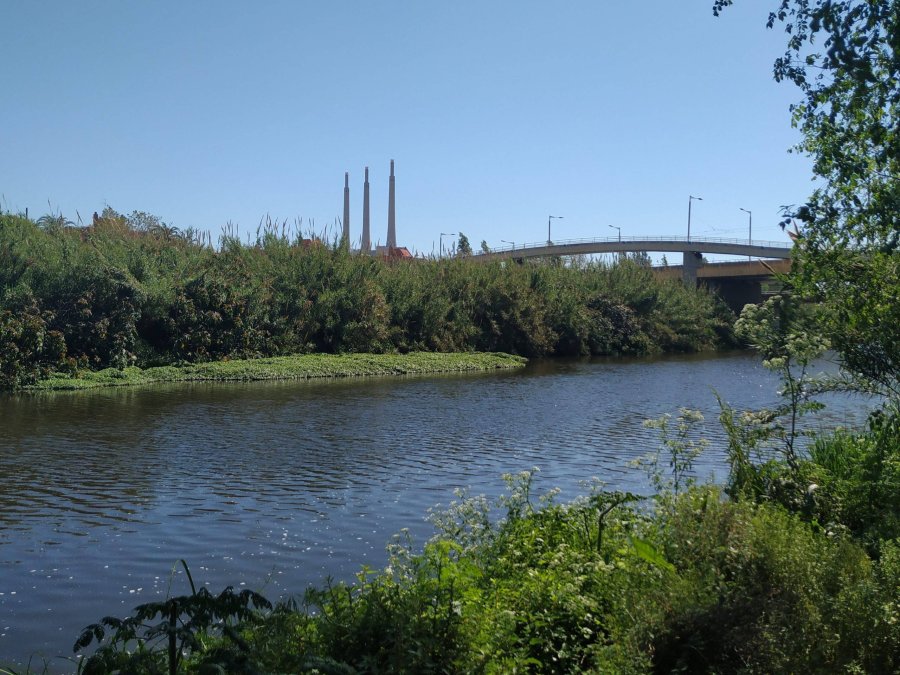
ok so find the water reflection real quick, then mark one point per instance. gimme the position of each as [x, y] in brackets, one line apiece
[279, 484]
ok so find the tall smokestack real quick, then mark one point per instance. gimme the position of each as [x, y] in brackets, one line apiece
[392, 222]
[345, 239]
[366, 238]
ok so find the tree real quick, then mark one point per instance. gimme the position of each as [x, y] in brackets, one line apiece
[640, 258]
[54, 221]
[844, 57]
[463, 247]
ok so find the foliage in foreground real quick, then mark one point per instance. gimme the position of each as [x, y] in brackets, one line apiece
[127, 291]
[698, 583]
[843, 57]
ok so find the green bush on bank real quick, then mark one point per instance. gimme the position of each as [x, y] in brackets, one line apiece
[131, 291]
[699, 584]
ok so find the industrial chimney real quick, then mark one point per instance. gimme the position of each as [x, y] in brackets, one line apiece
[392, 222]
[345, 239]
[366, 245]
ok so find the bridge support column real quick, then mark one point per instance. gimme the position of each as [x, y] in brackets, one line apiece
[690, 265]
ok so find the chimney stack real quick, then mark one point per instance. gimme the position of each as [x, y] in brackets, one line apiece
[345, 239]
[392, 224]
[366, 238]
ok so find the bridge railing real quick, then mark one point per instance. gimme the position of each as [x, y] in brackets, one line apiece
[638, 240]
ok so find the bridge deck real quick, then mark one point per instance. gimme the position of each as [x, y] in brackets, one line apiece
[568, 247]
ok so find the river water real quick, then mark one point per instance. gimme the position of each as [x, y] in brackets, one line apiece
[278, 485]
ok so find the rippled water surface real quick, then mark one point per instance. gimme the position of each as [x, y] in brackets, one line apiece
[277, 485]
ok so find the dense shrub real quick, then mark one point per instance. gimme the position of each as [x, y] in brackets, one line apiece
[97, 312]
[762, 590]
[30, 348]
[853, 480]
[133, 290]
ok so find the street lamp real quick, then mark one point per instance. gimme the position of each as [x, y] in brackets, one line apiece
[550, 218]
[749, 229]
[691, 198]
[620, 232]
[444, 234]
[511, 243]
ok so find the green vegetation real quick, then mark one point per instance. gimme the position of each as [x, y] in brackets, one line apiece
[302, 367]
[131, 291]
[844, 58]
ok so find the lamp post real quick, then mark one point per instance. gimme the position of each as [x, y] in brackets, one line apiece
[621, 253]
[691, 198]
[749, 229]
[549, 220]
[511, 243]
[444, 234]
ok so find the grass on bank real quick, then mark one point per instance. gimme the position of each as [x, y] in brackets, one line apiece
[299, 367]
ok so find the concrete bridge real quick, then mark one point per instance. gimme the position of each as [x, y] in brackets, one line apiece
[738, 283]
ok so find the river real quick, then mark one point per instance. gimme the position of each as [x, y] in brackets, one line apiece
[279, 485]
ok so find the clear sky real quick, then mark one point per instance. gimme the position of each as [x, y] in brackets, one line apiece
[497, 113]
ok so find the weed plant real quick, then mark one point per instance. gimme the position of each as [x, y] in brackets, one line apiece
[300, 367]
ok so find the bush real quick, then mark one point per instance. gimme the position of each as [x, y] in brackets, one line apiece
[856, 480]
[768, 592]
[135, 291]
[97, 313]
[30, 348]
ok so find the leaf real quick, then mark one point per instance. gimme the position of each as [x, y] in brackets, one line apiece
[648, 553]
[92, 632]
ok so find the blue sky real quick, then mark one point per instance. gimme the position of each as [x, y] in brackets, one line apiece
[497, 114]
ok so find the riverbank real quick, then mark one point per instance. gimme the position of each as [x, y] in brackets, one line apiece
[299, 367]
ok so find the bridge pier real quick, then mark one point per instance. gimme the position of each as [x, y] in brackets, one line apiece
[690, 265]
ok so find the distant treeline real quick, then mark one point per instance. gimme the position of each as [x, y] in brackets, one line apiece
[130, 290]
